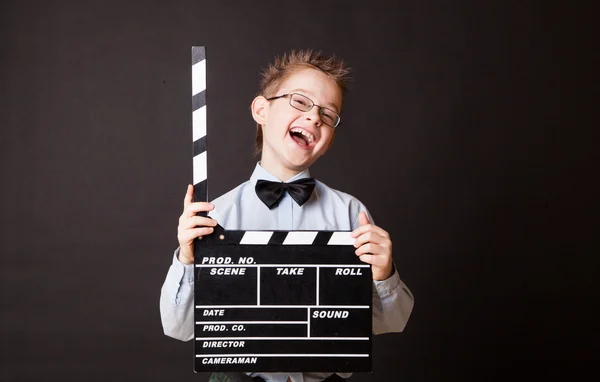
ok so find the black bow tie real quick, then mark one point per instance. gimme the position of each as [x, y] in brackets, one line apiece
[271, 192]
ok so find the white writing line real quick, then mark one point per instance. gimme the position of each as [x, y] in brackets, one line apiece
[283, 265]
[281, 355]
[258, 286]
[317, 271]
[308, 326]
[284, 306]
[250, 322]
[283, 338]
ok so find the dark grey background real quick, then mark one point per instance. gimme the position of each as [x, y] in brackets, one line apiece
[461, 134]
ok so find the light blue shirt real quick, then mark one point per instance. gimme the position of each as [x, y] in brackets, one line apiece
[240, 209]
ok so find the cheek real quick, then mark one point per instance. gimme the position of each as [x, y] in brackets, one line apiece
[274, 124]
[327, 139]
[281, 121]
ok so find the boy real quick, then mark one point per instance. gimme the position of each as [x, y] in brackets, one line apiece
[297, 112]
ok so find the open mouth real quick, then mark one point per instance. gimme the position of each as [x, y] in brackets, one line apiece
[302, 137]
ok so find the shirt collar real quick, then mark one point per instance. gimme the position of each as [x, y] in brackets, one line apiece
[261, 173]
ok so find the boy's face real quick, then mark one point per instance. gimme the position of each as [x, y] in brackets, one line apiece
[287, 150]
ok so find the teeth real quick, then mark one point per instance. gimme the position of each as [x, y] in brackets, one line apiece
[309, 137]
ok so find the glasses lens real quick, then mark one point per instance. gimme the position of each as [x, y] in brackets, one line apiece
[301, 102]
[329, 117]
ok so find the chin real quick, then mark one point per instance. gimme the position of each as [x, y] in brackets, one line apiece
[297, 165]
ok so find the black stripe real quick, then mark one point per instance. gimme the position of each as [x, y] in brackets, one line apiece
[234, 237]
[200, 194]
[229, 237]
[278, 237]
[198, 54]
[322, 238]
[198, 100]
[200, 146]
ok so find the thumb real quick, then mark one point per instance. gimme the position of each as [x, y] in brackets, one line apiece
[189, 196]
[362, 218]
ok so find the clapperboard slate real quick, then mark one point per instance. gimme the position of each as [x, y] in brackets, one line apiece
[274, 301]
[281, 301]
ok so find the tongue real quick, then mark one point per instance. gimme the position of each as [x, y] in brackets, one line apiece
[299, 140]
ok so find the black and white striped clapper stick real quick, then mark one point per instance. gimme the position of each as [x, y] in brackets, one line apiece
[199, 123]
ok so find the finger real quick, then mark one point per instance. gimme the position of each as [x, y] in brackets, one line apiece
[381, 251]
[198, 221]
[363, 219]
[369, 227]
[369, 248]
[189, 195]
[369, 237]
[196, 207]
[363, 223]
[374, 260]
[367, 259]
[191, 234]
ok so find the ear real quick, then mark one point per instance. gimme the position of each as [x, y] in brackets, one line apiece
[260, 108]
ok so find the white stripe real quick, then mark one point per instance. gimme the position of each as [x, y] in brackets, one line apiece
[283, 338]
[199, 163]
[256, 237]
[341, 238]
[300, 237]
[199, 123]
[198, 77]
[280, 355]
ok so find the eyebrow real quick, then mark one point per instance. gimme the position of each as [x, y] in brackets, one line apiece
[329, 105]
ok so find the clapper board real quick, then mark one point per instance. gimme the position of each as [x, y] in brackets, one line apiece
[274, 301]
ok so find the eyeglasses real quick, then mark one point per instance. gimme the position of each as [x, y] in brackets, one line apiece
[303, 103]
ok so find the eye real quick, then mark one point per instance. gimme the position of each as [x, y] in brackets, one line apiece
[300, 102]
[328, 117]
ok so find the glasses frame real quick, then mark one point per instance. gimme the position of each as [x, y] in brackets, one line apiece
[313, 104]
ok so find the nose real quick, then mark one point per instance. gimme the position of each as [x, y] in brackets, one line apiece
[314, 115]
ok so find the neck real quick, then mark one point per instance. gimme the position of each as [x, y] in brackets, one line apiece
[281, 172]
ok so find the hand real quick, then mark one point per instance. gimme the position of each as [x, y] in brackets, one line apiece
[192, 226]
[373, 247]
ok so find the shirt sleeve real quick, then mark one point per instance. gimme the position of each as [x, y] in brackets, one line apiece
[392, 300]
[392, 305]
[177, 301]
